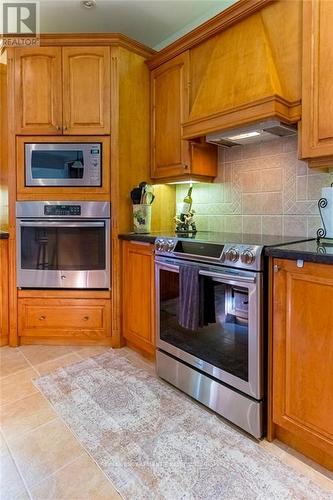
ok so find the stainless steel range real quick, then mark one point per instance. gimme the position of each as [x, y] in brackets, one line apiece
[220, 361]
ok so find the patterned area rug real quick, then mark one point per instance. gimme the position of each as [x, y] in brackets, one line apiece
[155, 443]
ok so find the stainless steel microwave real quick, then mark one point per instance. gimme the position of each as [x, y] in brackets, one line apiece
[63, 164]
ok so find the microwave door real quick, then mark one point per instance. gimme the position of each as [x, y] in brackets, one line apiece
[63, 164]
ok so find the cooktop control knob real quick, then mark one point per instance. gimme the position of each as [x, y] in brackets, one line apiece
[159, 245]
[170, 245]
[248, 257]
[232, 254]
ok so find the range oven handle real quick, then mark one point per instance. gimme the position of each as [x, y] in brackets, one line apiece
[231, 277]
[211, 274]
[60, 224]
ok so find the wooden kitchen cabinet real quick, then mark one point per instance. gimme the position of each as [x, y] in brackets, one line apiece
[302, 358]
[139, 296]
[86, 90]
[4, 284]
[62, 91]
[171, 156]
[38, 90]
[317, 84]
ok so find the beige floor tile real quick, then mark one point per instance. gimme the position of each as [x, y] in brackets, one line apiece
[3, 445]
[11, 484]
[17, 386]
[80, 480]
[11, 361]
[37, 354]
[88, 351]
[299, 463]
[50, 366]
[25, 415]
[44, 450]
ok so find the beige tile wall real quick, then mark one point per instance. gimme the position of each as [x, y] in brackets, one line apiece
[260, 188]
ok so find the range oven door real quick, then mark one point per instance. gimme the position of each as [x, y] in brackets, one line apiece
[229, 349]
[63, 253]
[63, 164]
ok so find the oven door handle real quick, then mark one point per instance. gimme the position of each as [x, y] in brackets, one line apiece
[46, 223]
[230, 277]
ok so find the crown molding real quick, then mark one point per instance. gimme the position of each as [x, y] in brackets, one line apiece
[93, 39]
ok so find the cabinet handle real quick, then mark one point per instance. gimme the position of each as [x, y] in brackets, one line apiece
[41, 318]
[85, 318]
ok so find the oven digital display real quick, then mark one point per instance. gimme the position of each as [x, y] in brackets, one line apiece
[197, 248]
[62, 210]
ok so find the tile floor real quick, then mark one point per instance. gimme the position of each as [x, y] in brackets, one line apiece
[39, 456]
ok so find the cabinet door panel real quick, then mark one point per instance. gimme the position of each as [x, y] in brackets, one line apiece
[38, 92]
[170, 108]
[86, 90]
[138, 295]
[317, 80]
[303, 352]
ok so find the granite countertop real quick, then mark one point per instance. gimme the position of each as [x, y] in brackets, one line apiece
[310, 251]
[4, 235]
[214, 237]
[146, 238]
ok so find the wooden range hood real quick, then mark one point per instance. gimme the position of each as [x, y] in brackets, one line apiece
[247, 73]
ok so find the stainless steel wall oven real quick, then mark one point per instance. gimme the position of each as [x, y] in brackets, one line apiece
[63, 244]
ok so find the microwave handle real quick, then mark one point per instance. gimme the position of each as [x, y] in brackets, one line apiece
[226, 276]
[45, 223]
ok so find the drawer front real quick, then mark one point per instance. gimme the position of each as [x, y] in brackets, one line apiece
[58, 317]
[64, 317]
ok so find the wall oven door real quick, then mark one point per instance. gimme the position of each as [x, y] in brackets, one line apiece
[63, 253]
[230, 349]
[63, 164]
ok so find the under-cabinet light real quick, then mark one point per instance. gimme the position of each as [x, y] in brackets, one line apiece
[243, 136]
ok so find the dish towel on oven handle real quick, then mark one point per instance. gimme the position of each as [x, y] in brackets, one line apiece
[196, 298]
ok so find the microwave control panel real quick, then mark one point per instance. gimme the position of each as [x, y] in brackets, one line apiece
[70, 210]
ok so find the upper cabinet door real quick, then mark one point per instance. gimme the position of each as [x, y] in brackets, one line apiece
[317, 83]
[170, 108]
[86, 90]
[38, 100]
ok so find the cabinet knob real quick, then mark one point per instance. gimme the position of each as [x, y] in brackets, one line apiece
[276, 268]
[185, 167]
[85, 318]
[65, 127]
[41, 318]
[57, 127]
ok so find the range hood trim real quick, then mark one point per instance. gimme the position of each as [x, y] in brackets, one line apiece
[272, 107]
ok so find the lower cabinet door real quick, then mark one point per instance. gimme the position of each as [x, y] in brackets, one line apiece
[77, 319]
[303, 357]
[139, 296]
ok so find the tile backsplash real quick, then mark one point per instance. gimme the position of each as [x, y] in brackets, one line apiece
[260, 188]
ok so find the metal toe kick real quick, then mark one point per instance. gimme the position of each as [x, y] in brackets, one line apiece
[238, 408]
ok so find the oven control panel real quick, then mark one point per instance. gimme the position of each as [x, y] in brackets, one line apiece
[69, 210]
[238, 255]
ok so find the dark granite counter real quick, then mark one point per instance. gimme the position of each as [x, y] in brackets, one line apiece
[214, 237]
[309, 251]
[4, 235]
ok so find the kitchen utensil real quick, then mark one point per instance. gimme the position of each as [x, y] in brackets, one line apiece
[136, 195]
